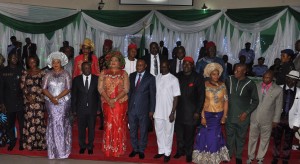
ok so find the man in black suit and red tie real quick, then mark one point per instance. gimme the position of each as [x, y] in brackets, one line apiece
[141, 106]
[85, 103]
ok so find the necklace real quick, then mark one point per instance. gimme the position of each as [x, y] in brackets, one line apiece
[214, 84]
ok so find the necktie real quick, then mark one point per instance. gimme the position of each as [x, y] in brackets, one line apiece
[155, 65]
[138, 82]
[264, 91]
[180, 65]
[287, 100]
[86, 84]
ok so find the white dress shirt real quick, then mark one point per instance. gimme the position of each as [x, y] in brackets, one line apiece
[152, 64]
[89, 79]
[178, 64]
[130, 66]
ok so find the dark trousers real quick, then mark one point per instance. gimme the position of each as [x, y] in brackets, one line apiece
[138, 121]
[236, 136]
[11, 119]
[185, 138]
[86, 121]
[281, 130]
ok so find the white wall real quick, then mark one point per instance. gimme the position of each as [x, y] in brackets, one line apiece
[114, 4]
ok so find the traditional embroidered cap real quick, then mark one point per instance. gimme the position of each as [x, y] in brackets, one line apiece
[210, 44]
[211, 67]
[132, 46]
[59, 56]
[293, 74]
[189, 59]
[108, 42]
[89, 43]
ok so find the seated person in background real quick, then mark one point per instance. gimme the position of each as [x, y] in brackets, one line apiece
[242, 59]
[259, 69]
[276, 65]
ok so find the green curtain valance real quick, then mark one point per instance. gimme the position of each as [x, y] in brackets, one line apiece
[37, 28]
[252, 15]
[116, 18]
[188, 15]
[295, 14]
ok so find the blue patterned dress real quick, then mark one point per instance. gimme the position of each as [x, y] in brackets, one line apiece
[59, 130]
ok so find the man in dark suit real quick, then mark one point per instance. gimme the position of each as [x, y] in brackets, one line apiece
[163, 51]
[142, 98]
[85, 103]
[28, 50]
[228, 66]
[176, 64]
[153, 59]
[190, 104]
[11, 98]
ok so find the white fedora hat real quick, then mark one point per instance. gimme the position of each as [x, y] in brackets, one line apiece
[293, 74]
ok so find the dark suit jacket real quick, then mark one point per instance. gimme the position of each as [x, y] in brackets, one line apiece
[32, 51]
[229, 69]
[142, 100]
[147, 58]
[173, 65]
[80, 97]
[165, 53]
[11, 94]
[192, 98]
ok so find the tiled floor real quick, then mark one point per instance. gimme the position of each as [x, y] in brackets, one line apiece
[18, 159]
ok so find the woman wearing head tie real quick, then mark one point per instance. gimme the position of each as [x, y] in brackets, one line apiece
[210, 144]
[87, 55]
[56, 88]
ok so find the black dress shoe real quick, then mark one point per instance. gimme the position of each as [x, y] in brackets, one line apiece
[141, 155]
[188, 158]
[21, 148]
[133, 153]
[11, 146]
[81, 151]
[177, 155]
[158, 156]
[274, 161]
[167, 158]
[238, 161]
[90, 151]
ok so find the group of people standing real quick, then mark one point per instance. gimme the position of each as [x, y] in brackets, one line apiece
[178, 95]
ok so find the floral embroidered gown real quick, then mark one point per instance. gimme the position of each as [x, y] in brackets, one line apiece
[34, 130]
[115, 126]
[210, 147]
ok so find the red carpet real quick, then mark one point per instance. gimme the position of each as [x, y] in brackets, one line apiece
[149, 153]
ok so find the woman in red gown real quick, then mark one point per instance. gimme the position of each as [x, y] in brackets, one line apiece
[87, 55]
[113, 86]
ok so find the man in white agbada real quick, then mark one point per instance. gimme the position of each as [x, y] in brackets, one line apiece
[130, 61]
[167, 92]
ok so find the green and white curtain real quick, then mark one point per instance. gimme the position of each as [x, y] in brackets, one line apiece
[268, 29]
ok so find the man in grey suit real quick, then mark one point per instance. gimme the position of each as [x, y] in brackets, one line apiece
[265, 116]
[141, 106]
